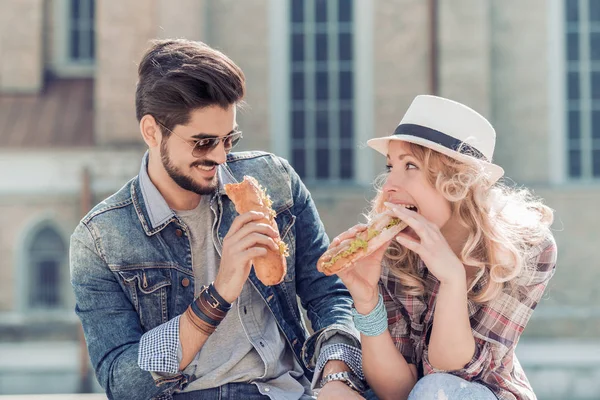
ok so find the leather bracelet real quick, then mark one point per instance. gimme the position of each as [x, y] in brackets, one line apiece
[215, 300]
[198, 323]
[200, 313]
[204, 301]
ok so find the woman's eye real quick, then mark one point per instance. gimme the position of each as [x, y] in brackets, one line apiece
[388, 168]
[410, 165]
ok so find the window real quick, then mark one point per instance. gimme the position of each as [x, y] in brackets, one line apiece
[321, 73]
[46, 258]
[81, 31]
[582, 52]
[75, 40]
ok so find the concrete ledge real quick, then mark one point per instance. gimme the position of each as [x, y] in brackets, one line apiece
[560, 369]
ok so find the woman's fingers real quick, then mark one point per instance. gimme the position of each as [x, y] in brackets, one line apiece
[419, 224]
[349, 234]
[409, 242]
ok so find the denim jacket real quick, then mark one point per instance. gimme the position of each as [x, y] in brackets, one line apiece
[127, 275]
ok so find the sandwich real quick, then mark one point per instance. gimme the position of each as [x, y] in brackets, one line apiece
[380, 230]
[247, 196]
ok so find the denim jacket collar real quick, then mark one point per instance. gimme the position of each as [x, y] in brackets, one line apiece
[158, 212]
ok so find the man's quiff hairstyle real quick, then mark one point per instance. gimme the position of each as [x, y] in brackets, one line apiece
[178, 76]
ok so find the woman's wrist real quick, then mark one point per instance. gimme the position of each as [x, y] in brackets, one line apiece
[456, 277]
[373, 323]
[457, 282]
[364, 307]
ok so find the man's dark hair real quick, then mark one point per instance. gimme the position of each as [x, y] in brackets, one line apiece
[178, 76]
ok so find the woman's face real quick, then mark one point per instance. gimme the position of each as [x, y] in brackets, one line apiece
[407, 184]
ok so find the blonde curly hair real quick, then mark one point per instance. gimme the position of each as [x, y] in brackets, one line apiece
[503, 222]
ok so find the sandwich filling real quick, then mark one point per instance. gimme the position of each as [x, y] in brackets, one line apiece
[360, 242]
[268, 203]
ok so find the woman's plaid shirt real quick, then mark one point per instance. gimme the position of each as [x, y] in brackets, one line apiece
[496, 326]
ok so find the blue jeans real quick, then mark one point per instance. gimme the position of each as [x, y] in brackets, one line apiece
[234, 391]
[445, 387]
[230, 391]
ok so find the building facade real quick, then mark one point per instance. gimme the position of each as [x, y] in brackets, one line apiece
[323, 77]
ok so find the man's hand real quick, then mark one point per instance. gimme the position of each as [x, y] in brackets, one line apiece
[246, 239]
[337, 390]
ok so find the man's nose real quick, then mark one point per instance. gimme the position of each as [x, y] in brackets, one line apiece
[218, 154]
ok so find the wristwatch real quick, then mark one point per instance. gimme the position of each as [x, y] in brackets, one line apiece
[348, 377]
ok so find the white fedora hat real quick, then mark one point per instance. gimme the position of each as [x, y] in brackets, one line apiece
[448, 127]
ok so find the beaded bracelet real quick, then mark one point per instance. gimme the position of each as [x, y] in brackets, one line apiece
[374, 323]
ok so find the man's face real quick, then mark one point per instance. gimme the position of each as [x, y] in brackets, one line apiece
[198, 175]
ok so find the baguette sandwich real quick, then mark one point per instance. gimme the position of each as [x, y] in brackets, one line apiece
[247, 196]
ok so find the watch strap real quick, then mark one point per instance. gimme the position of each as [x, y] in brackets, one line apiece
[348, 377]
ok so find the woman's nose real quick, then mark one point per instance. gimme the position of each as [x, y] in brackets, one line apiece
[390, 184]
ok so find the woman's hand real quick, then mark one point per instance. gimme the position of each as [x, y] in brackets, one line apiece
[432, 247]
[362, 279]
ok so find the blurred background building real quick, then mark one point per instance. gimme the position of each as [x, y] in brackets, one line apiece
[323, 77]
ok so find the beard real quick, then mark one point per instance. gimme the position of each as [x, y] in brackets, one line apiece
[184, 181]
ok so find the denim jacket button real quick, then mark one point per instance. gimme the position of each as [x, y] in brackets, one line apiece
[179, 233]
[185, 282]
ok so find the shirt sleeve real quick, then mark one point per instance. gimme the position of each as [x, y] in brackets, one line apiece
[497, 326]
[335, 344]
[350, 355]
[159, 348]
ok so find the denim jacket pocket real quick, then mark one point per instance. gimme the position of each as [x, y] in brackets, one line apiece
[148, 289]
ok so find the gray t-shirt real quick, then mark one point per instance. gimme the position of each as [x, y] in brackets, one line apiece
[229, 354]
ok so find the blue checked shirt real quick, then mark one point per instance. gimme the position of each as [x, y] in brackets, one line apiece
[160, 352]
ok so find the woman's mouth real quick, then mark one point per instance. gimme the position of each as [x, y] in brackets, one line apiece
[408, 206]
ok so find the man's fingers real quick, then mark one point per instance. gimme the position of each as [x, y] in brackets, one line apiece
[243, 219]
[255, 227]
[256, 239]
[254, 252]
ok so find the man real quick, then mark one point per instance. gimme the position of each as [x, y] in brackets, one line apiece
[160, 264]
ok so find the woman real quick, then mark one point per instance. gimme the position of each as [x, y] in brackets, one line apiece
[441, 308]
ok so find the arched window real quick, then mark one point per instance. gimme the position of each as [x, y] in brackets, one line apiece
[47, 255]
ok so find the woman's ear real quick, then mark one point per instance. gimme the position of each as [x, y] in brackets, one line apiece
[150, 131]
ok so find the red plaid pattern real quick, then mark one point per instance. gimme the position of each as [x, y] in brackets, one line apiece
[496, 326]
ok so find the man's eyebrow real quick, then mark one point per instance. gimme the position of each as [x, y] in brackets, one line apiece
[200, 136]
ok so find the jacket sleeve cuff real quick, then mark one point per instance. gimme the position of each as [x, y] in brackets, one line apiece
[350, 355]
[313, 345]
[159, 349]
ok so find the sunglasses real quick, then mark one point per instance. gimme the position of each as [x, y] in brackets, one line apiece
[201, 147]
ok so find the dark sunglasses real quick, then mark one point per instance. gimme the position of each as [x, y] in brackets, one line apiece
[201, 147]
